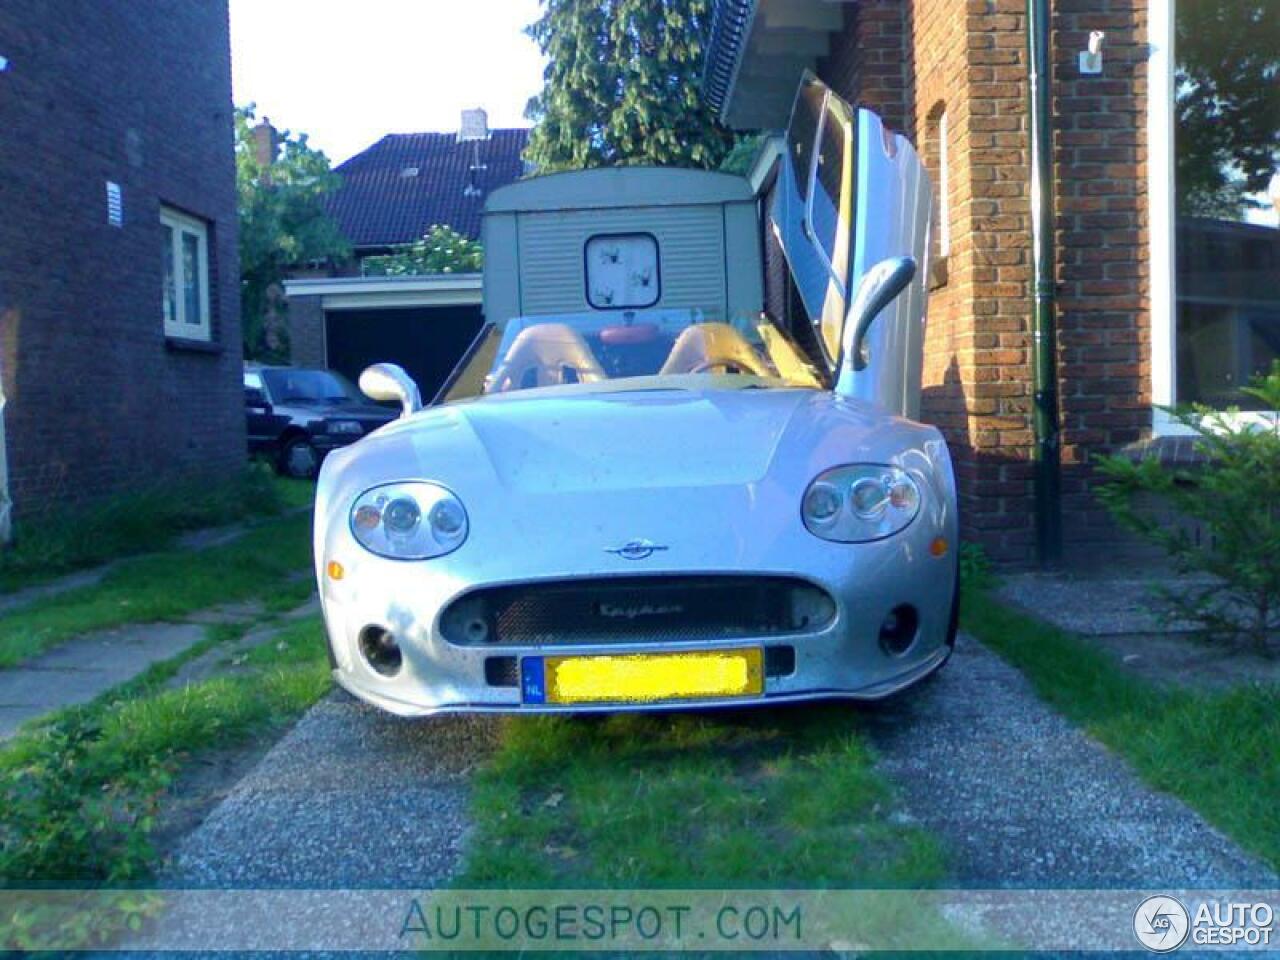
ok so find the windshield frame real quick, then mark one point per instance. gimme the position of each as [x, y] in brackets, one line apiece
[470, 379]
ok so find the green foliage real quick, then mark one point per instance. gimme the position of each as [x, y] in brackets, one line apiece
[1227, 103]
[1219, 752]
[1235, 496]
[268, 563]
[441, 250]
[623, 86]
[743, 155]
[690, 801]
[975, 567]
[283, 225]
[148, 519]
[82, 795]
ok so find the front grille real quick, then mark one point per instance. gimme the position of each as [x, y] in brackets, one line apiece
[637, 610]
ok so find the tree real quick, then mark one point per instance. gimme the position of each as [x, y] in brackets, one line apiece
[623, 86]
[283, 225]
[441, 250]
[1227, 103]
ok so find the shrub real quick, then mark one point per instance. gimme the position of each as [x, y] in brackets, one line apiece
[1234, 495]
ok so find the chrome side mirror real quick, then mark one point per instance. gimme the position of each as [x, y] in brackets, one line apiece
[388, 383]
[879, 287]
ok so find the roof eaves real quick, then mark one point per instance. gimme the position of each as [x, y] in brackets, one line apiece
[730, 27]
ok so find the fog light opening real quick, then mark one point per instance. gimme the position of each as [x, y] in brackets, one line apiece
[381, 650]
[898, 630]
[477, 630]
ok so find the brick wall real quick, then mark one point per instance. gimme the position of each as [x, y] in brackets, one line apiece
[910, 60]
[306, 331]
[98, 402]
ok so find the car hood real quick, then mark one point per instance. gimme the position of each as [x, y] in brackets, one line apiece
[574, 441]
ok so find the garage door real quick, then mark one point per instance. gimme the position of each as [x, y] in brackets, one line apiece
[427, 341]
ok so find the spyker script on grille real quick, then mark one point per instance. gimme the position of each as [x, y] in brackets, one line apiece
[615, 611]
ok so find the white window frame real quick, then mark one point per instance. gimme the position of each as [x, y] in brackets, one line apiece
[181, 223]
[1162, 204]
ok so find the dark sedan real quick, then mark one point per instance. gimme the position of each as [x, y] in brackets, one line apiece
[295, 416]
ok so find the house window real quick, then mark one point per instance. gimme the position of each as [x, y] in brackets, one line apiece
[1215, 204]
[622, 271]
[185, 259]
[935, 161]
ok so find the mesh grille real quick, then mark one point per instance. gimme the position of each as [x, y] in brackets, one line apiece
[637, 610]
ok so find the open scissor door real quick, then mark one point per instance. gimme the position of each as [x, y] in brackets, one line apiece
[850, 195]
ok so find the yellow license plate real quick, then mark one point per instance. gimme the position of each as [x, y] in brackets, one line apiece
[646, 678]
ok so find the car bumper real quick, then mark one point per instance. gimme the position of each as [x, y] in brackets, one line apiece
[845, 659]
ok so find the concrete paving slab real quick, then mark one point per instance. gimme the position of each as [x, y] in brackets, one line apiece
[80, 670]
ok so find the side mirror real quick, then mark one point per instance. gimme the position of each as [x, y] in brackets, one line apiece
[388, 383]
[255, 398]
[879, 287]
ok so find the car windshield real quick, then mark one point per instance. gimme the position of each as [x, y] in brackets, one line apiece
[308, 386]
[551, 351]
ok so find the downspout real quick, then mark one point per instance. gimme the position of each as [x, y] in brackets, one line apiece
[1048, 474]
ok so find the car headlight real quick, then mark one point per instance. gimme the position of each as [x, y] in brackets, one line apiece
[348, 427]
[859, 503]
[414, 520]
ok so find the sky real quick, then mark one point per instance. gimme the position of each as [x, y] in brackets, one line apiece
[348, 73]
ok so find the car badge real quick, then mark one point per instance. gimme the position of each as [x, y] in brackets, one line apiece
[637, 550]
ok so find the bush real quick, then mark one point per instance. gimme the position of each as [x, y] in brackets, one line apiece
[59, 541]
[1235, 496]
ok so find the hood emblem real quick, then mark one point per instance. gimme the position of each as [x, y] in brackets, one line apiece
[637, 550]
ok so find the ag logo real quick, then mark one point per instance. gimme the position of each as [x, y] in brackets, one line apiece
[1161, 924]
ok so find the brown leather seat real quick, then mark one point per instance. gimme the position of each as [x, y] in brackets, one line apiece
[707, 346]
[545, 355]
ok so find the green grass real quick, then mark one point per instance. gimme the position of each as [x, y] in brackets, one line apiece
[783, 798]
[1219, 752]
[82, 792]
[62, 541]
[170, 585]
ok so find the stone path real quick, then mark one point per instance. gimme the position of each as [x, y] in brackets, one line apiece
[80, 670]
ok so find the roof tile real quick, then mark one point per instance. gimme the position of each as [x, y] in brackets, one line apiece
[380, 204]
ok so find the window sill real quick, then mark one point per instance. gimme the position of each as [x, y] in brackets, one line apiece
[187, 345]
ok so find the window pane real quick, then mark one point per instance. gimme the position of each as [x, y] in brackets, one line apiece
[170, 286]
[191, 279]
[801, 132]
[1227, 105]
[830, 223]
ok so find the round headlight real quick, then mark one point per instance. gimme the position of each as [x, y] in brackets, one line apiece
[883, 500]
[387, 520]
[868, 497]
[448, 520]
[401, 516]
[822, 503]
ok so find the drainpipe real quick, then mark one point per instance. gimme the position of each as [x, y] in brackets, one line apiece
[1048, 479]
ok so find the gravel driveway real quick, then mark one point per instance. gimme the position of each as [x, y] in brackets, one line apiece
[351, 797]
[1022, 798]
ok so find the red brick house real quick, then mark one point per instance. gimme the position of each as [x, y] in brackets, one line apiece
[120, 348]
[1153, 306]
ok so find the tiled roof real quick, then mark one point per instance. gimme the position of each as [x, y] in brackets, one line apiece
[382, 201]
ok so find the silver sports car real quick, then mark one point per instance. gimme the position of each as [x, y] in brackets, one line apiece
[661, 508]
